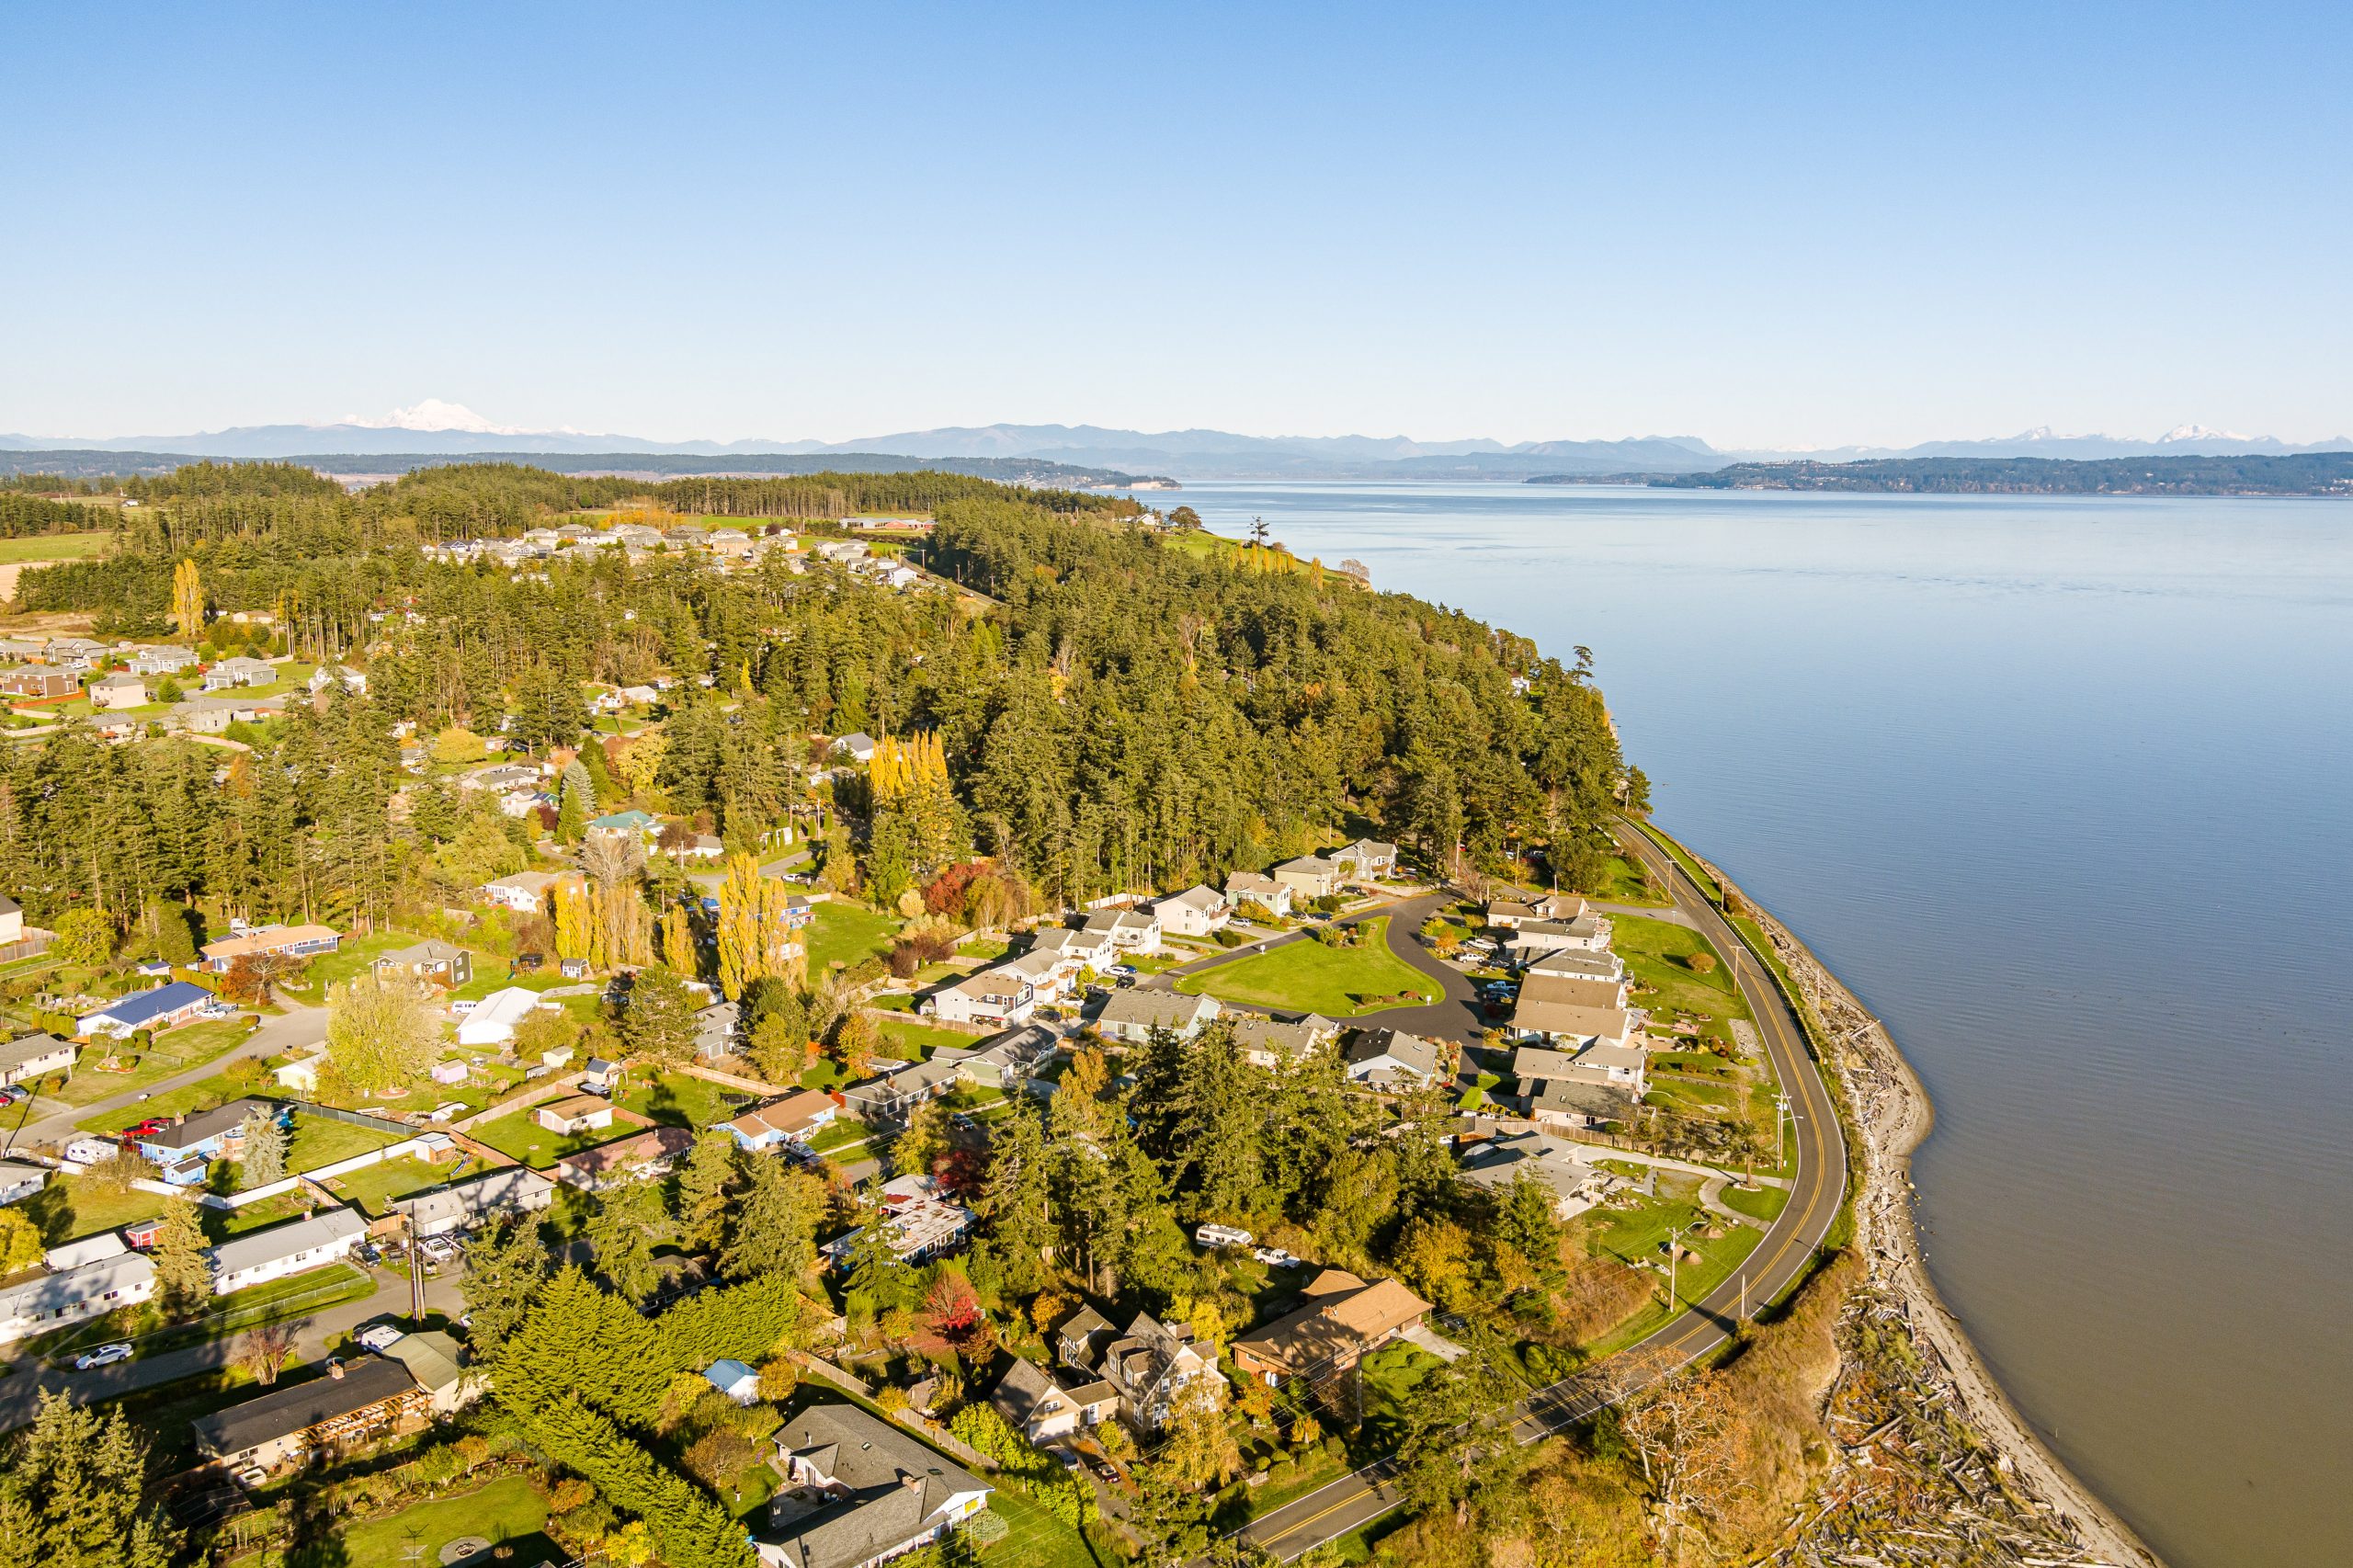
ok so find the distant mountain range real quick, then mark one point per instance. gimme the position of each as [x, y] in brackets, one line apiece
[439, 428]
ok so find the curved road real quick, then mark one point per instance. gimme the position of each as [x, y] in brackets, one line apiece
[1780, 1258]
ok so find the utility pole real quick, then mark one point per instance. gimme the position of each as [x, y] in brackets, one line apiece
[1674, 1248]
[416, 1274]
[1780, 1110]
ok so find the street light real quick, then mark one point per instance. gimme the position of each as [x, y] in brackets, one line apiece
[1674, 1248]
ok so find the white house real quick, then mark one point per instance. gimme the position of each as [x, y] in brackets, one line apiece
[1253, 886]
[522, 892]
[34, 1056]
[1367, 860]
[1128, 930]
[1089, 950]
[1391, 1058]
[20, 1180]
[993, 996]
[1131, 1016]
[54, 1300]
[294, 1247]
[859, 747]
[494, 1019]
[1587, 933]
[1197, 912]
[302, 1075]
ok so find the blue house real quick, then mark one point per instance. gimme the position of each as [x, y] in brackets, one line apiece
[209, 1135]
[157, 1009]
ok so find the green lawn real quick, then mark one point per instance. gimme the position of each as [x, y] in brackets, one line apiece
[1393, 1376]
[1624, 883]
[674, 1099]
[506, 1510]
[203, 1095]
[1308, 976]
[374, 1187]
[1636, 1233]
[909, 1038]
[490, 976]
[71, 1207]
[1765, 1203]
[174, 1051]
[54, 547]
[356, 955]
[842, 932]
[838, 1134]
[516, 1134]
[319, 1142]
[1657, 955]
[1682, 858]
[219, 1225]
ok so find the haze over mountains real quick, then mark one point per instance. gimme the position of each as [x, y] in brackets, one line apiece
[438, 428]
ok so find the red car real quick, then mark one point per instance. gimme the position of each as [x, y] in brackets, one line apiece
[144, 1128]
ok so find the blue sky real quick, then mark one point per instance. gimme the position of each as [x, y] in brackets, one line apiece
[1763, 225]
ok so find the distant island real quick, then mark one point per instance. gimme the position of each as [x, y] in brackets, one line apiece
[1031, 473]
[2301, 473]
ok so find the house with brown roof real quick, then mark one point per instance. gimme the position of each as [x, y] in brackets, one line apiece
[271, 941]
[648, 1155]
[578, 1113]
[1509, 915]
[1342, 1321]
[794, 1118]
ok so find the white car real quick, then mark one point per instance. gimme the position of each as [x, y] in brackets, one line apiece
[1275, 1258]
[104, 1356]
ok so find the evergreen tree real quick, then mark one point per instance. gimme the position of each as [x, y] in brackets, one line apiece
[575, 803]
[622, 1231]
[1015, 1205]
[701, 1190]
[70, 1493]
[506, 1267]
[264, 1157]
[776, 1222]
[183, 1274]
[658, 1021]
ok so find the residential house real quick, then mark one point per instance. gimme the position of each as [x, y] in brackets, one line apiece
[114, 692]
[1588, 932]
[1613, 1065]
[432, 1360]
[162, 659]
[1199, 911]
[649, 1156]
[1002, 1061]
[12, 920]
[89, 1249]
[715, 1030]
[1267, 1043]
[435, 962]
[356, 1404]
[884, 1099]
[795, 1119]
[918, 1222]
[20, 1180]
[239, 671]
[1509, 915]
[1151, 1366]
[1041, 1410]
[509, 1190]
[74, 653]
[734, 1379]
[501, 778]
[54, 1300]
[1309, 876]
[34, 1056]
[1367, 859]
[1498, 1162]
[302, 1075]
[36, 680]
[992, 996]
[524, 893]
[1342, 1321]
[326, 676]
[1128, 930]
[1131, 1016]
[215, 1134]
[1546, 1016]
[859, 748]
[1087, 950]
[271, 941]
[212, 715]
[1391, 1058]
[1049, 976]
[22, 647]
[1253, 886]
[296, 1248]
[1579, 963]
[494, 1019]
[575, 1114]
[632, 823]
[859, 1491]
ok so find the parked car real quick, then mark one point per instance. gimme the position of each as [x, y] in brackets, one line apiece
[1276, 1257]
[104, 1356]
[10, 1095]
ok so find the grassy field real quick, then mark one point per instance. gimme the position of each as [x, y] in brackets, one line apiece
[174, 1052]
[909, 1038]
[1335, 982]
[53, 547]
[1766, 1203]
[1626, 884]
[1637, 1233]
[1707, 884]
[508, 1510]
[71, 1207]
[319, 1142]
[203, 1095]
[374, 1187]
[844, 933]
[674, 1099]
[516, 1134]
[356, 955]
[1657, 955]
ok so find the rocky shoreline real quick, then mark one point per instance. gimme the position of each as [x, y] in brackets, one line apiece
[1954, 1452]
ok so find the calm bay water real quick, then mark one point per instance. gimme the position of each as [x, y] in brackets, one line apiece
[2061, 788]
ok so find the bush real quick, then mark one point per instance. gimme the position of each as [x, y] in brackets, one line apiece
[1701, 963]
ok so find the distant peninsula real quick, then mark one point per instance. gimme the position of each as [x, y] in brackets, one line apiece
[2301, 473]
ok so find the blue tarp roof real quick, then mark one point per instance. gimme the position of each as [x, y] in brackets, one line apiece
[141, 1005]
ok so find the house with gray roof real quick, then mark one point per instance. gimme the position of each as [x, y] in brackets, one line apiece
[511, 1189]
[859, 1491]
[1391, 1058]
[295, 1247]
[1497, 1163]
[356, 1403]
[54, 1300]
[34, 1056]
[1267, 1041]
[1131, 1016]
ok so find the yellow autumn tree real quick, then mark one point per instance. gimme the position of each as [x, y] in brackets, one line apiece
[576, 923]
[187, 599]
[739, 925]
[678, 940]
[781, 955]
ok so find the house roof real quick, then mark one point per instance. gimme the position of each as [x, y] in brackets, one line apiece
[286, 1410]
[1310, 865]
[141, 1005]
[431, 1358]
[795, 1113]
[1026, 1393]
[655, 1144]
[433, 950]
[1156, 1010]
[1119, 920]
[1252, 884]
[511, 1185]
[896, 1485]
[726, 1373]
[1583, 1097]
[270, 940]
[31, 1048]
[1499, 1160]
[87, 1281]
[1562, 1018]
[1206, 899]
[1570, 990]
[1408, 1049]
[256, 1248]
[1576, 964]
[1343, 1314]
[206, 1124]
[1278, 1037]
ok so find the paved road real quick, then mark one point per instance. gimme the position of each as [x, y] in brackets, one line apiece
[1782, 1255]
[1455, 1016]
[21, 1390]
[52, 1121]
[49, 1121]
